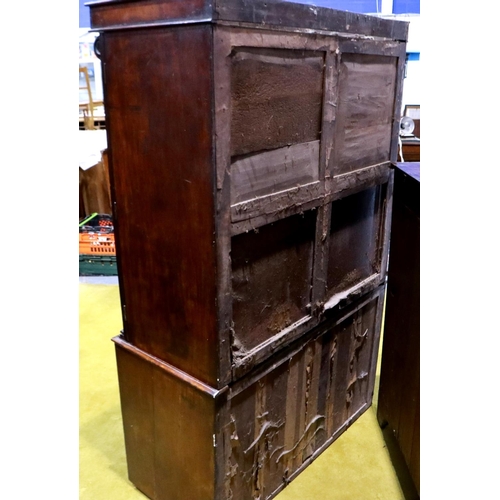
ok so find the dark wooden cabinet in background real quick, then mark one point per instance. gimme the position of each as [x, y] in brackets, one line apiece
[251, 148]
[398, 409]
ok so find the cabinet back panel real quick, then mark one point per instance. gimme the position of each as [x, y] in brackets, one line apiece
[273, 171]
[284, 418]
[355, 238]
[275, 98]
[272, 276]
[365, 110]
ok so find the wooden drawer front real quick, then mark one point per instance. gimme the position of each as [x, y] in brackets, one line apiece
[366, 101]
[277, 424]
[271, 278]
[356, 239]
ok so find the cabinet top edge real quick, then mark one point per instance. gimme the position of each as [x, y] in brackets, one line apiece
[122, 14]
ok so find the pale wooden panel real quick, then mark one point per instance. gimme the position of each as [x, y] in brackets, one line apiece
[273, 171]
[365, 111]
[354, 144]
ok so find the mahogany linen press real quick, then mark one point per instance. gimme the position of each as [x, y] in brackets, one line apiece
[251, 147]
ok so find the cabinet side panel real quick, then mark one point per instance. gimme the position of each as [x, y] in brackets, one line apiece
[184, 433]
[169, 428]
[158, 113]
[137, 403]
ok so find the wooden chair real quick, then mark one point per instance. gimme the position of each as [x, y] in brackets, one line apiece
[88, 107]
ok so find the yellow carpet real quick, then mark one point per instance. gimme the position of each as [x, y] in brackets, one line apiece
[356, 467]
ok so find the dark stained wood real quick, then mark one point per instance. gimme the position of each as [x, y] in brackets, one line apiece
[221, 117]
[183, 471]
[399, 393]
[416, 130]
[246, 360]
[251, 148]
[110, 14]
[298, 192]
[291, 14]
[159, 410]
[361, 362]
[410, 149]
[320, 259]
[160, 140]
[363, 45]
[137, 403]
[251, 214]
[365, 110]
[330, 93]
[386, 228]
[401, 68]
[170, 369]
[152, 322]
[353, 182]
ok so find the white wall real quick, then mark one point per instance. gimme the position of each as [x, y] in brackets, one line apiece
[412, 83]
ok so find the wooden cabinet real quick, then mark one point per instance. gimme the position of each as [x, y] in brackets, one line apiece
[251, 149]
[398, 410]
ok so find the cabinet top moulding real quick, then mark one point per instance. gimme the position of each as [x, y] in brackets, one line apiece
[125, 14]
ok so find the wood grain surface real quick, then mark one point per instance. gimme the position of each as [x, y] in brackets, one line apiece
[160, 141]
[159, 411]
[274, 171]
[254, 438]
[118, 14]
[365, 110]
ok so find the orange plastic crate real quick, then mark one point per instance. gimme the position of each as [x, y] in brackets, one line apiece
[97, 243]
